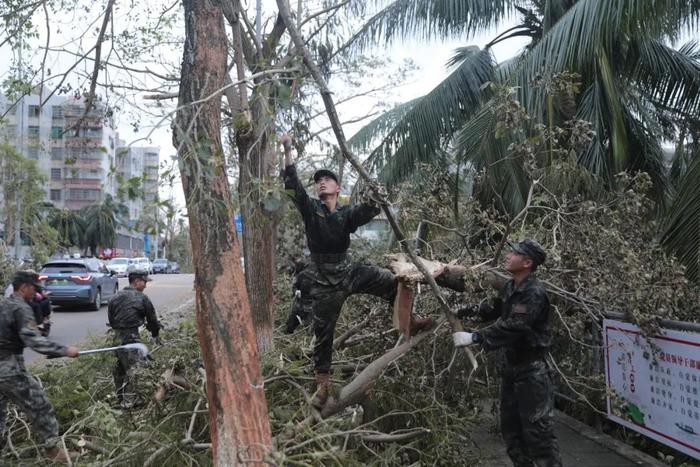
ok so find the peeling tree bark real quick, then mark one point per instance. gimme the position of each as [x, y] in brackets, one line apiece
[239, 423]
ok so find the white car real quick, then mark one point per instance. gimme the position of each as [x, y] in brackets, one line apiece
[142, 264]
[119, 265]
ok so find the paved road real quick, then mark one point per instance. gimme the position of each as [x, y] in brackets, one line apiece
[72, 326]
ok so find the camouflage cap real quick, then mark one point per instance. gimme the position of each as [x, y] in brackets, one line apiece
[27, 277]
[139, 275]
[531, 249]
[325, 173]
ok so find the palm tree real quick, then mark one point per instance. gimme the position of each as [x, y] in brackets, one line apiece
[70, 227]
[635, 89]
[101, 223]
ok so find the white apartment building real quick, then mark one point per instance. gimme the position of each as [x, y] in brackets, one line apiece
[81, 166]
[77, 163]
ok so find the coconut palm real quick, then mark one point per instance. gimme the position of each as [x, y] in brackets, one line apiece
[634, 85]
[635, 89]
[101, 223]
[70, 227]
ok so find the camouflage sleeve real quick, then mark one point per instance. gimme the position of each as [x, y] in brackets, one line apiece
[506, 331]
[489, 312]
[360, 214]
[295, 190]
[152, 323]
[30, 335]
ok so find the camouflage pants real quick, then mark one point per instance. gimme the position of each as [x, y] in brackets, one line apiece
[323, 290]
[19, 387]
[124, 371]
[527, 408]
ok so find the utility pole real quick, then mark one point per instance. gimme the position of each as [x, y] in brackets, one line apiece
[155, 246]
[20, 150]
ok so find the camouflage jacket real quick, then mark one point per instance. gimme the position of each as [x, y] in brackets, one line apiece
[523, 326]
[130, 308]
[326, 232]
[18, 329]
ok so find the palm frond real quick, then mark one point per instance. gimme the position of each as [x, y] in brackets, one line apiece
[432, 120]
[361, 141]
[429, 19]
[681, 233]
[477, 145]
[671, 77]
[593, 25]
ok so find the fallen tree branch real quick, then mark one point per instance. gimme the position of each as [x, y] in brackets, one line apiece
[396, 436]
[374, 186]
[355, 390]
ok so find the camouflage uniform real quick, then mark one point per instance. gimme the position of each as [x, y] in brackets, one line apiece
[523, 329]
[18, 330]
[126, 312]
[330, 277]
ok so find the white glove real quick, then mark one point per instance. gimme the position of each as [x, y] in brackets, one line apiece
[462, 339]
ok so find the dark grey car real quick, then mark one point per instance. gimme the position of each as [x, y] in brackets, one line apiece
[84, 281]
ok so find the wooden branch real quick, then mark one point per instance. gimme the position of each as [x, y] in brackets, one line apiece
[85, 444]
[357, 389]
[322, 12]
[396, 437]
[340, 342]
[375, 187]
[494, 260]
[95, 69]
[230, 9]
[270, 43]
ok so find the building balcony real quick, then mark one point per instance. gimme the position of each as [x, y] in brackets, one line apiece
[82, 141]
[82, 163]
[82, 182]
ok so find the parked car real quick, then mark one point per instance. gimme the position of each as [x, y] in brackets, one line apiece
[161, 266]
[174, 268]
[119, 265]
[85, 281]
[142, 264]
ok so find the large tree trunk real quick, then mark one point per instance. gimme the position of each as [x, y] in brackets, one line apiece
[258, 234]
[251, 120]
[239, 423]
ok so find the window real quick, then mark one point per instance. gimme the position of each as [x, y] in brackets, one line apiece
[34, 111]
[56, 132]
[33, 131]
[33, 152]
[80, 194]
[55, 174]
[56, 112]
[55, 195]
[93, 132]
[56, 154]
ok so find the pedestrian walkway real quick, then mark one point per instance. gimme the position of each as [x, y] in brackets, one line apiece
[580, 446]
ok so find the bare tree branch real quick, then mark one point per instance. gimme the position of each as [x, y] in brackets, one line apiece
[96, 68]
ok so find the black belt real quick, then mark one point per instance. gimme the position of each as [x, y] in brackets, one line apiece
[328, 257]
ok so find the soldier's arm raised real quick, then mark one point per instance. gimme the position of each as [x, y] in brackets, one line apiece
[292, 186]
